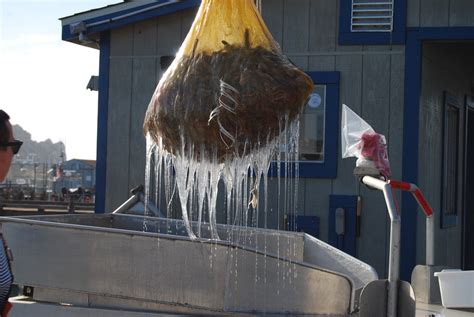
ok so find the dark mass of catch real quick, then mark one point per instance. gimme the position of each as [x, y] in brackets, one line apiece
[226, 102]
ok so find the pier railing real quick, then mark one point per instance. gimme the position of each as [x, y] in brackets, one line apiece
[28, 207]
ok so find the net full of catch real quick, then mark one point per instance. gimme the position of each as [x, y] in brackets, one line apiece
[228, 85]
[227, 97]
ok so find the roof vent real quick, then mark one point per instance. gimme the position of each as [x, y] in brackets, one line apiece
[372, 16]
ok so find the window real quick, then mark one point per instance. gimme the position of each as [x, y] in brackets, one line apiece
[312, 126]
[320, 128]
[319, 131]
[372, 22]
[449, 195]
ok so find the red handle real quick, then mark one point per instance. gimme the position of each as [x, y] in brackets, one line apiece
[400, 185]
[423, 203]
[416, 192]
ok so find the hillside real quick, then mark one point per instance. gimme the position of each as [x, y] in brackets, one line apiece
[37, 152]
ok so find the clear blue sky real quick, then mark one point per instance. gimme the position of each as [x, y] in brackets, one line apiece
[43, 79]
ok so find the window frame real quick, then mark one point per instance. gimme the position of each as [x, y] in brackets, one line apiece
[396, 36]
[449, 219]
[328, 167]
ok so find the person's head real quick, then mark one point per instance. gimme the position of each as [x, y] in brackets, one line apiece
[8, 145]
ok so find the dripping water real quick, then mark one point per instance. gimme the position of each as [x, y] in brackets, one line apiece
[190, 183]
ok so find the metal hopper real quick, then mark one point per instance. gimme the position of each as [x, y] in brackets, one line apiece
[133, 262]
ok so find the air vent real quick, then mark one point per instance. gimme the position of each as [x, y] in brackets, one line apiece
[372, 16]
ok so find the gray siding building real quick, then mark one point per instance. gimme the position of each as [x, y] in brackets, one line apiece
[75, 173]
[405, 66]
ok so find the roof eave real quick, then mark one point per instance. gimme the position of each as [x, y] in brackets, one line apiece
[85, 28]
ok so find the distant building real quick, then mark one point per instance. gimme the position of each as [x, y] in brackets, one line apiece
[73, 174]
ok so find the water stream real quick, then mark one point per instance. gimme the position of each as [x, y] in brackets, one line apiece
[192, 184]
[187, 186]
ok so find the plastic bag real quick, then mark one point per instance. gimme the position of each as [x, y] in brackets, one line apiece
[358, 139]
[228, 87]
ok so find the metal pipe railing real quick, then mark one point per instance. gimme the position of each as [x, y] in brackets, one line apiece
[395, 225]
[425, 206]
[394, 255]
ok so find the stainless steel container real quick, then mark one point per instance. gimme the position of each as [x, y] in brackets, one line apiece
[145, 263]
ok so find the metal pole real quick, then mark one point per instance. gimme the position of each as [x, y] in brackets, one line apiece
[394, 256]
[127, 204]
[34, 180]
[45, 181]
[430, 260]
[71, 206]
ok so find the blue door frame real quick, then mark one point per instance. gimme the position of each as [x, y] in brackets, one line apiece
[102, 115]
[413, 77]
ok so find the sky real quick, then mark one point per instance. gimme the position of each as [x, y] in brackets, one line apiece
[43, 79]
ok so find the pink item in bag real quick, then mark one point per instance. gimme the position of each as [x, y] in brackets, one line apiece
[373, 147]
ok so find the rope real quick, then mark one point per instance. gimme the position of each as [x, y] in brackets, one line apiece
[228, 101]
[258, 3]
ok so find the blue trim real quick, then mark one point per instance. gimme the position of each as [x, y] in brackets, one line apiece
[442, 33]
[153, 13]
[101, 165]
[449, 220]
[328, 168]
[397, 36]
[410, 152]
[413, 71]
